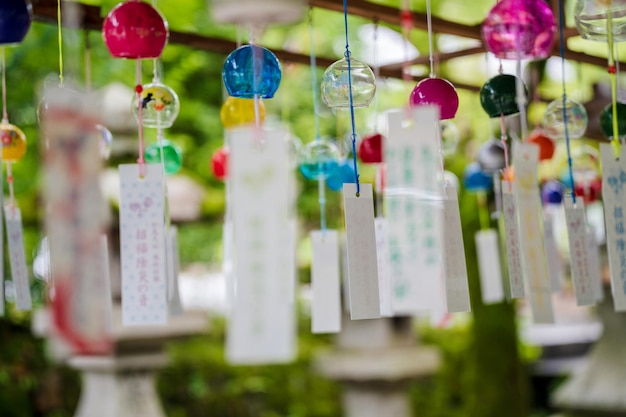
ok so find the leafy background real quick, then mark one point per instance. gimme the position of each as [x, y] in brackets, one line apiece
[484, 372]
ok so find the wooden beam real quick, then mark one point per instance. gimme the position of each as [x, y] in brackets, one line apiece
[90, 18]
[391, 15]
[76, 15]
[441, 57]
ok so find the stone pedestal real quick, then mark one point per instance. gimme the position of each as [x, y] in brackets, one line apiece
[375, 360]
[121, 384]
[598, 389]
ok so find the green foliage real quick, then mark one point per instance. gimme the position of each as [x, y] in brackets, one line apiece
[29, 384]
[200, 242]
[446, 394]
[481, 373]
[198, 382]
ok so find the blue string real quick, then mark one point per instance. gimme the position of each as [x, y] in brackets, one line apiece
[567, 142]
[316, 118]
[347, 55]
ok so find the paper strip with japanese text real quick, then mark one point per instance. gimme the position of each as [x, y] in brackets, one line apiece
[325, 282]
[142, 238]
[578, 246]
[261, 326]
[414, 209]
[362, 257]
[614, 199]
[534, 264]
[457, 289]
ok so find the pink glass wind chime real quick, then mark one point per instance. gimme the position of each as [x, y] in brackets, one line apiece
[136, 30]
[515, 30]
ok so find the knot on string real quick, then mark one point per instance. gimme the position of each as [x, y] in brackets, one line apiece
[142, 167]
[347, 54]
[406, 19]
[138, 89]
[611, 69]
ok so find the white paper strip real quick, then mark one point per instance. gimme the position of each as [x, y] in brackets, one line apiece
[457, 290]
[413, 202]
[345, 273]
[614, 199]
[142, 238]
[174, 305]
[593, 260]
[362, 258]
[228, 262]
[384, 279]
[325, 282]
[491, 287]
[291, 265]
[555, 264]
[261, 326]
[577, 236]
[106, 283]
[19, 272]
[512, 240]
[534, 266]
[169, 264]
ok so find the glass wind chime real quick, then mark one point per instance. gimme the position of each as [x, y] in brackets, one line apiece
[251, 73]
[320, 161]
[602, 21]
[432, 90]
[136, 30]
[349, 84]
[15, 22]
[513, 30]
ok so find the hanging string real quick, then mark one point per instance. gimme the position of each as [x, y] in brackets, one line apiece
[376, 75]
[238, 36]
[430, 39]
[503, 140]
[521, 101]
[612, 70]
[138, 90]
[563, 86]
[255, 79]
[483, 210]
[619, 83]
[316, 119]
[406, 19]
[432, 73]
[617, 71]
[5, 114]
[5, 119]
[352, 122]
[156, 76]
[155, 62]
[60, 38]
[379, 167]
[10, 182]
